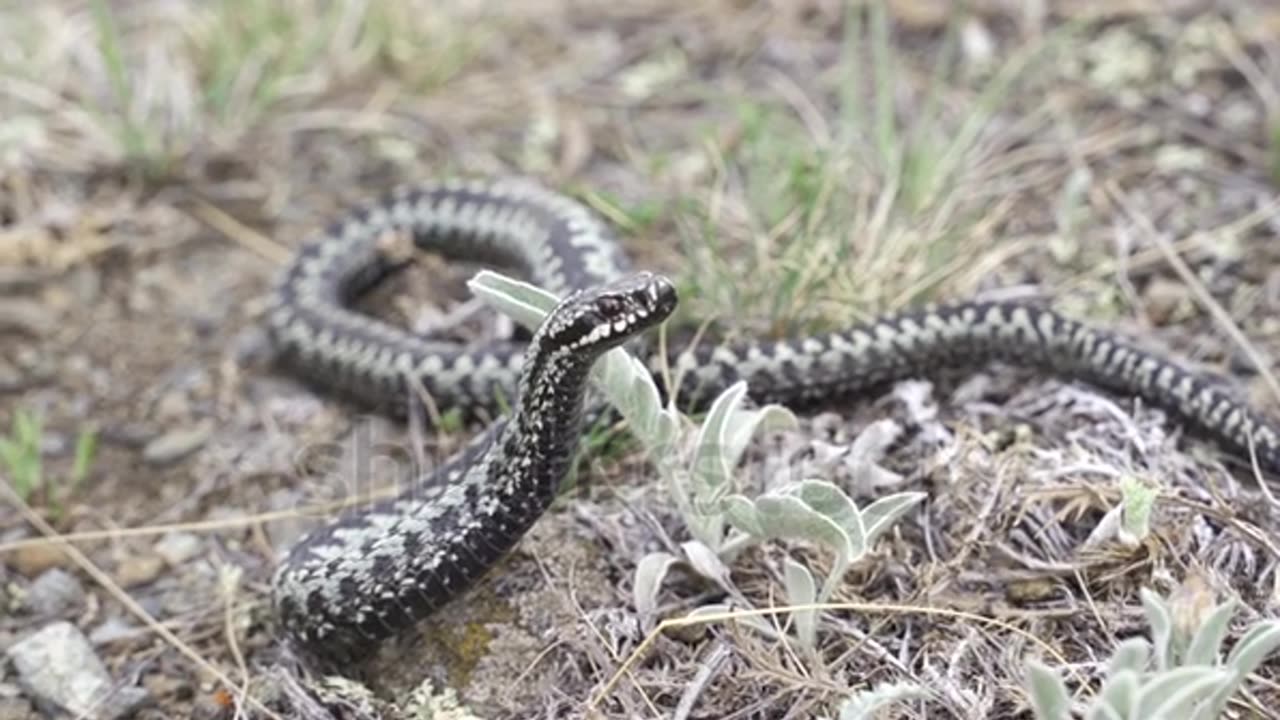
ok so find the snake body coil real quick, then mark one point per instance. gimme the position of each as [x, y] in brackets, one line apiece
[350, 584]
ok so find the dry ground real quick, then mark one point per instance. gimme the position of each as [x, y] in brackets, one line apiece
[794, 165]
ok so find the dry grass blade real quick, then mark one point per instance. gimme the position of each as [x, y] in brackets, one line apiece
[248, 238]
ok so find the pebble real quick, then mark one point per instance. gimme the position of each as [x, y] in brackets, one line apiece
[978, 42]
[178, 547]
[139, 570]
[115, 629]
[177, 444]
[1166, 300]
[165, 686]
[27, 368]
[27, 316]
[56, 591]
[172, 405]
[58, 667]
[31, 560]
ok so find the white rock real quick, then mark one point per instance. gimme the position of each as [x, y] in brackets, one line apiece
[177, 547]
[54, 592]
[57, 666]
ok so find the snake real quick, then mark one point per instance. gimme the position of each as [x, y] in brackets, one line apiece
[347, 586]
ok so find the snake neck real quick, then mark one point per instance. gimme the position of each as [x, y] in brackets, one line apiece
[543, 431]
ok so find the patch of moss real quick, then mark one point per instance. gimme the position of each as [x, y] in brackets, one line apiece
[460, 646]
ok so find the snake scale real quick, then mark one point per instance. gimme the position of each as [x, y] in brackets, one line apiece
[348, 585]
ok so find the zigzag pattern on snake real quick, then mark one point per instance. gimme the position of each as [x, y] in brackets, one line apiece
[354, 582]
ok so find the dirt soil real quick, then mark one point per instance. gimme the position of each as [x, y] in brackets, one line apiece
[132, 291]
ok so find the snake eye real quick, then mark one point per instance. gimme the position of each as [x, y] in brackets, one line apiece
[609, 305]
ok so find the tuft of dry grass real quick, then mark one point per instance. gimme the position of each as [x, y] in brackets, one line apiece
[154, 87]
[853, 194]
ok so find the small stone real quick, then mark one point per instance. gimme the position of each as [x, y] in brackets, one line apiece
[163, 686]
[978, 42]
[26, 368]
[176, 444]
[1166, 300]
[115, 629]
[77, 365]
[172, 405]
[56, 591]
[178, 547]
[31, 560]
[139, 570]
[27, 316]
[57, 666]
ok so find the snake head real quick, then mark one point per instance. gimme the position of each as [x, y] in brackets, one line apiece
[603, 317]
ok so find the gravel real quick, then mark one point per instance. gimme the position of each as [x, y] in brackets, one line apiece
[177, 444]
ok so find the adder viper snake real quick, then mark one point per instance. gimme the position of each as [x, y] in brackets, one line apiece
[350, 584]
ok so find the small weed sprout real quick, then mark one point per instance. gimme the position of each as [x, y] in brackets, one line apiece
[86, 449]
[1138, 501]
[1129, 522]
[20, 455]
[1189, 680]
[698, 467]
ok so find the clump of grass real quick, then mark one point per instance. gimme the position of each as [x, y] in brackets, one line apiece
[137, 140]
[22, 456]
[812, 223]
[250, 53]
[253, 55]
[159, 83]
